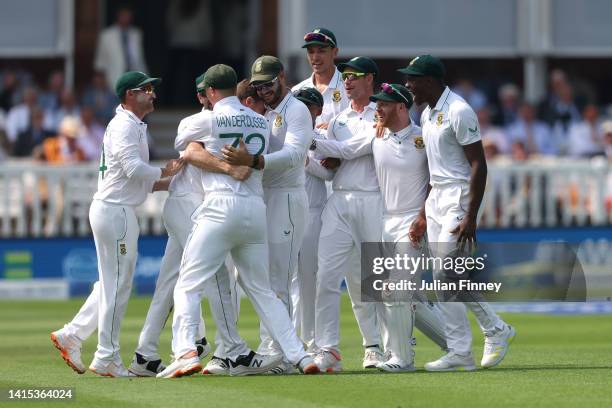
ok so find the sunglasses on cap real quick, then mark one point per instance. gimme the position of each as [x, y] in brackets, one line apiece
[389, 90]
[265, 85]
[320, 37]
[148, 89]
[351, 76]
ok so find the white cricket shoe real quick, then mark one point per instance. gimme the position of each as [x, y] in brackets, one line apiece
[203, 347]
[373, 357]
[452, 362]
[182, 367]
[283, 368]
[254, 363]
[217, 366]
[496, 346]
[328, 361]
[396, 365]
[70, 348]
[141, 367]
[109, 368]
[308, 366]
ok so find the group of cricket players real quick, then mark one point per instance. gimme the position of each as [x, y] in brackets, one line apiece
[249, 211]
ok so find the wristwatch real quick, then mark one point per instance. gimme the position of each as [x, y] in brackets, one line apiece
[255, 161]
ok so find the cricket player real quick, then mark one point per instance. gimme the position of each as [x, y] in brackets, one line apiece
[124, 180]
[304, 283]
[283, 181]
[248, 97]
[231, 220]
[186, 195]
[458, 172]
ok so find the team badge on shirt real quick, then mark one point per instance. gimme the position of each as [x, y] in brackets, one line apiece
[439, 119]
[336, 96]
[278, 122]
[418, 142]
[122, 249]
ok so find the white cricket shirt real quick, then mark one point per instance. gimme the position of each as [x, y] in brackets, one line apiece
[290, 137]
[447, 127]
[401, 168]
[355, 131]
[227, 123]
[188, 179]
[316, 175]
[125, 176]
[335, 99]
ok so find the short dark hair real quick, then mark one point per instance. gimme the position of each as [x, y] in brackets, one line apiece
[244, 90]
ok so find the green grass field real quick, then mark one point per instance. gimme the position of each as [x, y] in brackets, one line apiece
[555, 361]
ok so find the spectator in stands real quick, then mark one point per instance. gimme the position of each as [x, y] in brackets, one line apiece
[533, 135]
[49, 100]
[560, 109]
[18, 118]
[9, 92]
[120, 48]
[100, 98]
[472, 95]
[520, 153]
[491, 133]
[509, 97]
[33, 136]
[586, 138]
[90, 134]
[67, 107]
[63, 148]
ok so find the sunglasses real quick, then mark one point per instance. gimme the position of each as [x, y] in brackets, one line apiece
[320, 37]
[390, 89]
[265, 85]
[351, 76]
[146, 89]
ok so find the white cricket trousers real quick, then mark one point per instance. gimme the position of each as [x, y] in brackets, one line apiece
[177, 213]
[115, 230]
[287, 218]
[349, 218]
[445, 207]
[226, 223]
[303, 288]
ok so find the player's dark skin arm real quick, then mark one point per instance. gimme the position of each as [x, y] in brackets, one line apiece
[162, 185]
[466, 230]
[197, 155]
[239, 156]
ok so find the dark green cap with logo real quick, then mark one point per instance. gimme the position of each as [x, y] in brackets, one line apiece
[310, 96]
[320, 36]
[220, 76]
[199, 82]
[425, 65]
[265, 68]
[400, 94]
[132, 80]
[360, 64]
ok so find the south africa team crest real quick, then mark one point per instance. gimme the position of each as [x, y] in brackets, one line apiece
[439, 119]
[418, 142]
[336, 96]
[278, 122]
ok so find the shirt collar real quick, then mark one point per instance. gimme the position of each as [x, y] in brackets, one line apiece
[401, 135]
[334, 82]
[121, 110]
[369, 106]
[230, 100]
[440, 104]
[282, 104]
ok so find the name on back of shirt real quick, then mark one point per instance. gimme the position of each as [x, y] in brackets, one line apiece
[241, 121]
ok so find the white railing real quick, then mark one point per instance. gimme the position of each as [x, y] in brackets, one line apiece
[42, 201]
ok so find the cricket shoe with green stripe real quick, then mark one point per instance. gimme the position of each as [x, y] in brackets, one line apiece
[452, 362]
[496, 346]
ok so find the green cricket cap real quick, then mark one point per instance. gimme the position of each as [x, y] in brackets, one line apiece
[265, 68]
[424, 65]
[132, 80]
[360, 64]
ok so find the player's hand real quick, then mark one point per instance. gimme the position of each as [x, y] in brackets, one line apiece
[466, 234]
[417, 230]
[240, 173]
[322, 125]
[380, 130]
[238, 156]
[172, 167]
[330, 163]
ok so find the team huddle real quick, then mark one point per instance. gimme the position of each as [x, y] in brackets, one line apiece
[248, 206]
